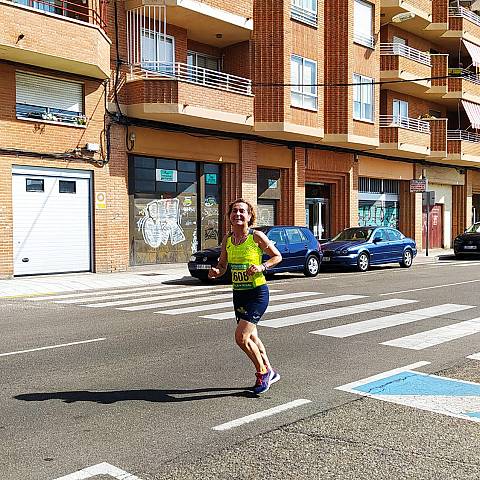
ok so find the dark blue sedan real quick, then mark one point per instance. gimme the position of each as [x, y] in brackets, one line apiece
[299, 248]
[361, 247]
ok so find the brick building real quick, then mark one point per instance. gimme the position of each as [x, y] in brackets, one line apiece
[128, 126]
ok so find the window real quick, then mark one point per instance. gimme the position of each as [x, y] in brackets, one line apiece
[363, 23]
[305, 11]
[294, 235]
[49, 99]
[394, 235]
[400, 112]
[158, 52]
[34, 185]
[362, 98]
[201, 68]
[303, 79]
[204, 61]
[277, 236]
[67, 186]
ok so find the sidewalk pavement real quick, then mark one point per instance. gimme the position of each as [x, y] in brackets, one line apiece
[135, 277]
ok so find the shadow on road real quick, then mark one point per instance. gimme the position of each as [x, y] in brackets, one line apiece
[161, 396]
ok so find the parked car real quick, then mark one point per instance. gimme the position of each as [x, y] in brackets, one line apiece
[361, 247]
[468, 242]
[300, 250]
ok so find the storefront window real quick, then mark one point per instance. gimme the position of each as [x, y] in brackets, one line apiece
[168, 209]
[378, 202]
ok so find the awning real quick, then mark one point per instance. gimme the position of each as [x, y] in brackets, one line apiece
[473, 113]
[474, 51]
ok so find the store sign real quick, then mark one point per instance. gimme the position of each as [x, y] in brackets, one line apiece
[419, 185]
[272, 183]
[166, 175]
[211, 178]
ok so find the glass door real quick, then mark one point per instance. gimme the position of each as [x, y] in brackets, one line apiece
[317, 217]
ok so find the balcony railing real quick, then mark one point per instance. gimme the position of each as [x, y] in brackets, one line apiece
[465, 13]
[465, 74]
[304, 15]
[463, 135]
[405, 122]
[365, 40]
[405, 51]
[192, 74]
[70, 9]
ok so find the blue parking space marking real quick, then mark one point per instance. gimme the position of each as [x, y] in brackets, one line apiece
[404, 386]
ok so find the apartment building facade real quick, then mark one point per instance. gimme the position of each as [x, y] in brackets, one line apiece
[124, 148]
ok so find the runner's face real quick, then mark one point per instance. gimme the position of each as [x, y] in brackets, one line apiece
[240, 215]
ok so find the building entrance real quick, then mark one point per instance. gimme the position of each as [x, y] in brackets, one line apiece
[317, 209]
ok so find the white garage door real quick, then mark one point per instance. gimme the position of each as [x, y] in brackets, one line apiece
[51, 220]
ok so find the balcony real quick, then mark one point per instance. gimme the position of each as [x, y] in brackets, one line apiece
[205, 22]
[403, 136]
[421, 8]
[464, 86]
[76, 41]
[463, 148]
[190, 95]
[400, 63]
[463, 23]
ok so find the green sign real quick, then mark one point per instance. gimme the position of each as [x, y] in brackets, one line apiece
[166, 175]
[211, 178]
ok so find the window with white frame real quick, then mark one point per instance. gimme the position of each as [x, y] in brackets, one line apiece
[305, 11]
[363, 23]
[49, 99]
[303, 80]
[362, 98]
[157, 51]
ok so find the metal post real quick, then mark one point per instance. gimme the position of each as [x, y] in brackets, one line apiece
[428, 225]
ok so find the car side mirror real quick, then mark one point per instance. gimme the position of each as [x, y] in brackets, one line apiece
[377, 240]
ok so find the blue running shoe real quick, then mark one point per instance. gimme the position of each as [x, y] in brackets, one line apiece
[275, 377]
[264, 380]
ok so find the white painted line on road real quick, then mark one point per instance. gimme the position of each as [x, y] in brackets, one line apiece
[215, 306]
[357, 328]
[257, 416]
[429, 288]
[100, 469]
[333, 313]
[474, 356]
[350, 386]
[91, 293]
[52, 346]
[430, 338]
[163, 296]
[292, 306]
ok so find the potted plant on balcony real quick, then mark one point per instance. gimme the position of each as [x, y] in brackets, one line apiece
[81, 120]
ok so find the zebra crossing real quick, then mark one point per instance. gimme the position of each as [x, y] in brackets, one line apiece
[287, 310]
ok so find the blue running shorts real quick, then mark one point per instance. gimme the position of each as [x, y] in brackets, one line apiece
[250, 305]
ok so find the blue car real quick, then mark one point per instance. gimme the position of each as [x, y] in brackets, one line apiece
[361, 247]
[300, 250]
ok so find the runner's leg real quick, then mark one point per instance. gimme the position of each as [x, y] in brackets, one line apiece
[261, 348]
[243, 338]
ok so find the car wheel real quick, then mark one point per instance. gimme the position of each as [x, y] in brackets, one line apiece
[312, 266]
[363, 262]
[407, 259]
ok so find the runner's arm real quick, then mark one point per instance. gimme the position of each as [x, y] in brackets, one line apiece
[222, 264]
[269, 248]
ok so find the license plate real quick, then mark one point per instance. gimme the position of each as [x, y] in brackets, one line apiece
[326, 259]
[203, 267]
[470, 247]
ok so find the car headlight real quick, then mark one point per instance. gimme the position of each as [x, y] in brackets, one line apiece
[193, 258]
[344, 252]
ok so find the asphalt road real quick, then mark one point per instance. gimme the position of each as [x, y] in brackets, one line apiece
[161, 392]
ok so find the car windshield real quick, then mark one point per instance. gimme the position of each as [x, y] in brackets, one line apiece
[354, 234]
[475, 228]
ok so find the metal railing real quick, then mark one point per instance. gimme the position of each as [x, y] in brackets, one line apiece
[303, 15]
[463, 135]
[366, 40]
[405, 51]
[34, 112]
[192, 74]
[70, 9]
[405, 122]
[465, 13]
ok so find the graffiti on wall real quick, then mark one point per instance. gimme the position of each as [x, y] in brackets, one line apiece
[377, 215]
[160, 223]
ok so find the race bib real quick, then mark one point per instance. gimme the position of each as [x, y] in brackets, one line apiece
[240, 278]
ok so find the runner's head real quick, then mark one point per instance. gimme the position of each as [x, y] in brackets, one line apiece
[241, 210]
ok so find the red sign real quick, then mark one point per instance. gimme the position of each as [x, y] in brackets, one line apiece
[419, 185]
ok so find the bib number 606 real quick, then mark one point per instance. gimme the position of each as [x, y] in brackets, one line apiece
[240, 276]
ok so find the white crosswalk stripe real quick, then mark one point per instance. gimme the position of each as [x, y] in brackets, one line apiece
[136, 294]
[430, 338]
[164, 296]
[291, 306]
[217, 306]
[387, 321]
[334, 313]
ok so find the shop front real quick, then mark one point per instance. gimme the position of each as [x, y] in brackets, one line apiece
[174, 208]
[269, 190]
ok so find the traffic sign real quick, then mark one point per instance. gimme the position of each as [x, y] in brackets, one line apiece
[418, 185]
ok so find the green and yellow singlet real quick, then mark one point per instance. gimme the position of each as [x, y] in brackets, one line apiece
[240, 257]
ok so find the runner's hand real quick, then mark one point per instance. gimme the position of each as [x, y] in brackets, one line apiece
[252, 269]
[214, 272]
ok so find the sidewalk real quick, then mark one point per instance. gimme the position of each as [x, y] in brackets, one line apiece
[135, 277]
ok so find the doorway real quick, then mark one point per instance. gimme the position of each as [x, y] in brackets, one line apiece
[317, 209]
[435, 227]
